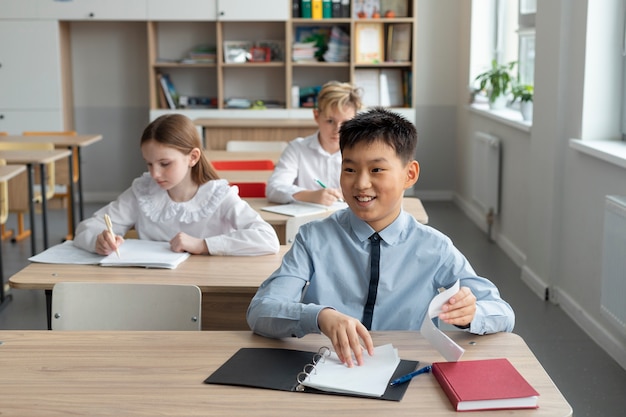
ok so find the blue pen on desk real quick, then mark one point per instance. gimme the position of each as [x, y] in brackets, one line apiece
[410, 376]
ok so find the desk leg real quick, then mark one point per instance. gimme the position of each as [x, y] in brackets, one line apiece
[4, 299]
[44, 205]
[81, 207]
[49, 308]
[72, 205]
[31, 203]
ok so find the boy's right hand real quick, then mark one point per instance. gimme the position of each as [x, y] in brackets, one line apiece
[346, 334]
[107, 243]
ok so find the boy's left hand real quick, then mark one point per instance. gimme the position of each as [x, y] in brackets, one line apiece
[460, 308]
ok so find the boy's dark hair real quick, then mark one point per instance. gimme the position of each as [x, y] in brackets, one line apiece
[380, 124]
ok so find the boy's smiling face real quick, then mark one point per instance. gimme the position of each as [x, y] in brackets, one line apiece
[373, 180]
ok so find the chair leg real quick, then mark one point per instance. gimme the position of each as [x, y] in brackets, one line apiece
[70, 217]
[22, 232]
[4, 233]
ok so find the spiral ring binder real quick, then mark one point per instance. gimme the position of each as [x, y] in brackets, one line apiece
[309, 368]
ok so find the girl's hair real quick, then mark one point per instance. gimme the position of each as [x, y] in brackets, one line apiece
[335, 94]
[380, 124]
[179, 132]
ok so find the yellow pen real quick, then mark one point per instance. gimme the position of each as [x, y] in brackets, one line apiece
[107, 220]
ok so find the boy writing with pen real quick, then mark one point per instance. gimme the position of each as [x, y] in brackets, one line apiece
[308, 169]
[373, 266]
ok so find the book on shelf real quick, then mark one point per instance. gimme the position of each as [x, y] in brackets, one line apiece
[295, 9]
[345, 8]
[382, 87]
[133, 252]
[488, 384]
[316, 9]
[327, 9]
[169, 90]
[306, 9]
[299, 208]
[336, 9]
[398, 42]
[316, 372]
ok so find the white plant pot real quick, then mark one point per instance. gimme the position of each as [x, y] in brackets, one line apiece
[499, 103]
[526, 108]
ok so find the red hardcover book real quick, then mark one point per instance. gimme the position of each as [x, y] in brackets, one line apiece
[488, 384]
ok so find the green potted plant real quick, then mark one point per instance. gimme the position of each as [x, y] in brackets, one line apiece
[524, 93]
[496, 82]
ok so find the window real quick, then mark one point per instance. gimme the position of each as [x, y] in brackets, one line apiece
[503, 30]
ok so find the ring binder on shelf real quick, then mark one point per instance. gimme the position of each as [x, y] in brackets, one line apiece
[314, 372]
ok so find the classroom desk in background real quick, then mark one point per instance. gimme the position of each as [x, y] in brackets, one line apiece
[7, 172]
[31, 158]
[148, 373]
[280, 222]
[228, 283]
[76, 142]
[217, 132]
[221, 155]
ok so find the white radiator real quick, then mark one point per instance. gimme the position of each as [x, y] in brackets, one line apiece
[614, 261]
[486, 172]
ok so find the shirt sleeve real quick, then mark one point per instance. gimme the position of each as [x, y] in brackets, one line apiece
[123, 213]
[276, 310]
[247, 234]
[281, 185]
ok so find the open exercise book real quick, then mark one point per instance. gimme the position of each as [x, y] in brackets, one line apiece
[133, 252]
[321, 372]
[304, 209]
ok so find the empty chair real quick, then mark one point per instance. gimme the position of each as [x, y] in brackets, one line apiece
[255, 146]
[247, 188]
[125, 306]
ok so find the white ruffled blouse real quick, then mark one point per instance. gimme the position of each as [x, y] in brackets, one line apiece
[216, 213]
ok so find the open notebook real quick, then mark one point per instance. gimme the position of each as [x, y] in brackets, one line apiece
[304, 209]
[134, 252]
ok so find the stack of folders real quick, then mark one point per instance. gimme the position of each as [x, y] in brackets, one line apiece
[488, 384]
[316, 372]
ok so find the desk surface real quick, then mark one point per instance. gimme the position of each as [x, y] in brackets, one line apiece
[411, 204]
[213, 274]
[58, 140]
[33, 156]
[9, 171]
[161, 373]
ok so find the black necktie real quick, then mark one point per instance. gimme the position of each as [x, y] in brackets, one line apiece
[368, 311]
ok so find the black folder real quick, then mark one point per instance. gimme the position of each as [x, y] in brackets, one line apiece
[278, 369]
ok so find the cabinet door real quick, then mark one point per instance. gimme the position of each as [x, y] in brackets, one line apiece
[16, 122]
[253, 10]
[194, 10]
[30, 73]
[18, 9]
[93, 9]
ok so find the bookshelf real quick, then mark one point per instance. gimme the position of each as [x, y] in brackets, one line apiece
[237, 27]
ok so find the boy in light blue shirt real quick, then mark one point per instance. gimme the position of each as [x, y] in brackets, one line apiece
[373, 266]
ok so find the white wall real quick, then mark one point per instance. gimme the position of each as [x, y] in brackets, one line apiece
[551, 220]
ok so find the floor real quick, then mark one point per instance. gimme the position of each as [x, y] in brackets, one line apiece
[592, 382]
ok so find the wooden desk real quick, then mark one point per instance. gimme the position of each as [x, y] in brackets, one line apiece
[70, 142]
[7, 172]
[217, 132]
[245, 176]
[218, 155]
[227, 283]
[161, 373]
[30, 159]
[280, 222]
